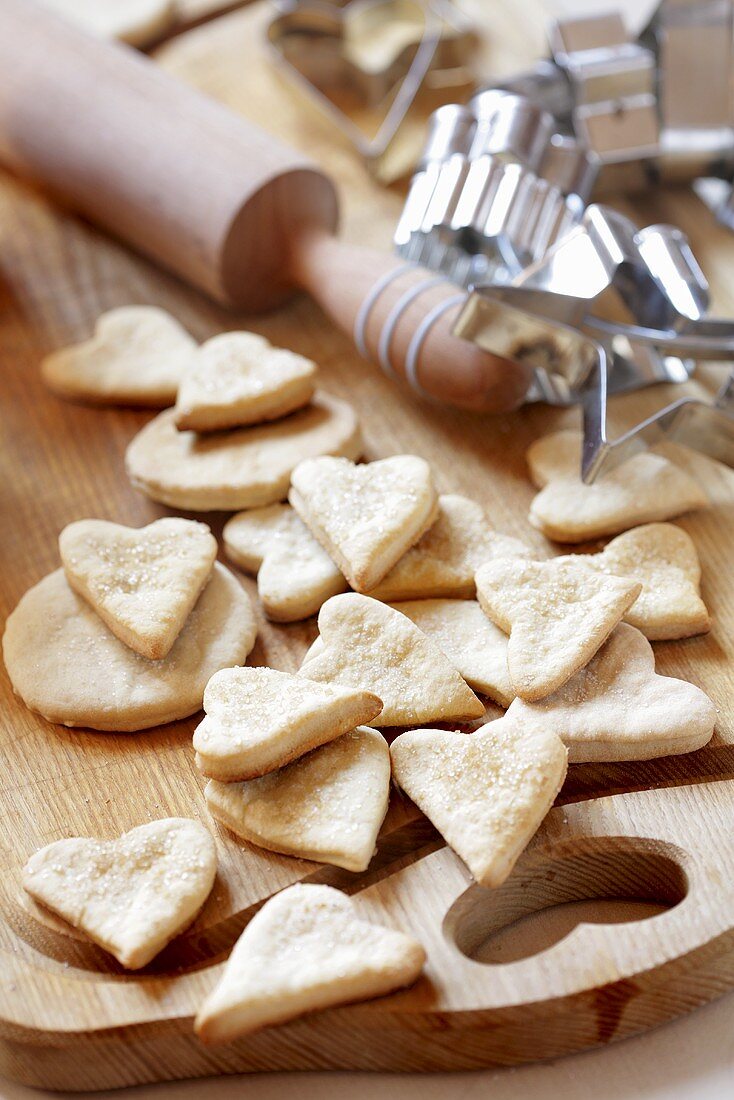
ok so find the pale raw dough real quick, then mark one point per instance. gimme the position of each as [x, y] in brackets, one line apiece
[138, 355]
[65, 663]
[258, 720]
[443, 562]
[557, 613]
[239, 378]
[327, 806]
[645, 488]
[618, 708]
[368, 645]
[130, 895]
[243, 468]
[306, 949]
[474, 645]
[663, 558]
[142, 582]
[365, 517]
[486, 792]
[137, 22]
[295, 576]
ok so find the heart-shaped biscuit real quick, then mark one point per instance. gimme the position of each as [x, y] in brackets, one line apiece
[645, 488]
[258, 720]
[368, 645]
[131, 895]
[327, 806]
[295, 575]
[365, 517]
[142, 582]
[306, 949]
[486, 792]
[443, 562]
[619, 708]
[474, 645]
[137, 356]
[663, 558]
[557, 613]
[138, 22]
[242, 468]
[239, 378]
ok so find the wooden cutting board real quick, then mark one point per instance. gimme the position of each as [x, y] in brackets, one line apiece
[497, 989]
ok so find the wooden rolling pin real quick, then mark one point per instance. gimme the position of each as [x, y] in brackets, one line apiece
[213, 199]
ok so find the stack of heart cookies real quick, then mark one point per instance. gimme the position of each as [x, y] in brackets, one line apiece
[244, 413]
[126, 635]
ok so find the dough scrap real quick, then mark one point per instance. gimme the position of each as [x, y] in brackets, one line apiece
[142, 582]
[366, 517]
[327, 806]
[663, 558]
[66, 665]
[619, 708]
[242, 468]
[443, 562]
[239, 378]
[131, 895]
[368, 645]
[474, 645]
[295, 576]
[644, 489]
[486, 792]
[557, 613]
[138, 355]
[258, 720]
[306, 949]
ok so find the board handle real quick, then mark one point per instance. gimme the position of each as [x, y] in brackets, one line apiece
[402, 316]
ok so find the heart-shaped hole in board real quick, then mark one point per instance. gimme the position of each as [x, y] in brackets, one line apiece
[609, 880]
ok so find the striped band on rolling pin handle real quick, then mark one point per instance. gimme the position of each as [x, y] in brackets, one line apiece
[416, 340]
[364, 311]
[397, 311]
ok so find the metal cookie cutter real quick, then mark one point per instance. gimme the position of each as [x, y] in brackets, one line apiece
[564, 316]
[371, 54]
[654, 108]
[494, 189]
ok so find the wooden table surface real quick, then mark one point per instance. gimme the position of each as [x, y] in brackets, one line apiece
[61, 461]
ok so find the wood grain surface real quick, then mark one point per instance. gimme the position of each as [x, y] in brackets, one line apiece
[70, 1017]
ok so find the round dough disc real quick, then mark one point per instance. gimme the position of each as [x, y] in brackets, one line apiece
[65, 663]
[244, 468]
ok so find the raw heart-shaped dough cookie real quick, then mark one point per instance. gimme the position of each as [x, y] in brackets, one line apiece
[295, 575]
[327, 806]
[306, 949]
[645, 488]
[142, 582]
[137, 22]
[365, 517]
[474, 645]
[239, 378]
[258, 720]
[137, 356]
[368, 645]
[557, 613]
[131, 895]
[486, 792]
[242, 468]
[443, 562]
[619, 708]
[65, 663]
[664, 559]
